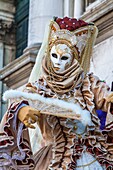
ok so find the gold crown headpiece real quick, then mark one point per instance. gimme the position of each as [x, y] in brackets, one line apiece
[80, 39]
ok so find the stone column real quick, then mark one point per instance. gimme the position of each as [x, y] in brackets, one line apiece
[79, 7]
[1, 65]
[7, 42]
[3, 105]
[40, 12]
[1, 54]
[69, 8]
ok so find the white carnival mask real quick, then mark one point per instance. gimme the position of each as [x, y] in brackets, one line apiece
[61, 57]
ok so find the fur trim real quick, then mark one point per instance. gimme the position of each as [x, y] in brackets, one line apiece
[74, 107]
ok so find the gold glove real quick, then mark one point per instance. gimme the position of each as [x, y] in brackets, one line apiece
[28, 116]
[110, 98]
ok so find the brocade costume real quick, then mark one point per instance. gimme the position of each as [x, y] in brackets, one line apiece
[71, 144]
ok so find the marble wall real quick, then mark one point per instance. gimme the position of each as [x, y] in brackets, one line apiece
[102, 60]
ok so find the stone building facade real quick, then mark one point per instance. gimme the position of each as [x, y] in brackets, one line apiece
[15, 69]
[7, 42]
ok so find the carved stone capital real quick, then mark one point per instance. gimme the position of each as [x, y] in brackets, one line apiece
[6, 27]
[7, 32]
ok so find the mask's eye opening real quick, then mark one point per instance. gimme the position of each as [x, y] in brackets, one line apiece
[64, 58]
[54, 55]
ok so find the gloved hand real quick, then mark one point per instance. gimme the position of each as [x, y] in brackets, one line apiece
[28, 116]
[110, 98]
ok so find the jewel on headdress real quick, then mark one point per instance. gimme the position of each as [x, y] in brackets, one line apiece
[70, 24]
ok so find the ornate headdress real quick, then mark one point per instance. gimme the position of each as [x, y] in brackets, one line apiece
[78, 35]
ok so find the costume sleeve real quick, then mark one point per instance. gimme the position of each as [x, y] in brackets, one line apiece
[15, 150]
[100, 91]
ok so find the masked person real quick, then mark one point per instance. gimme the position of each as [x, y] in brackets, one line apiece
[63, 98]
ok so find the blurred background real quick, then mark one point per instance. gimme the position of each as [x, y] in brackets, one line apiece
[22, 26]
